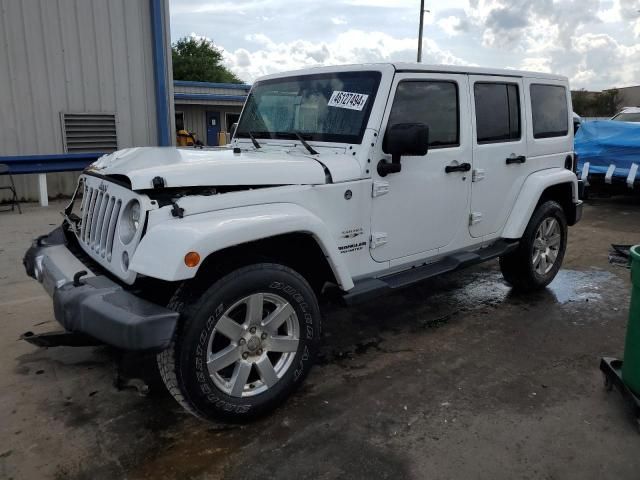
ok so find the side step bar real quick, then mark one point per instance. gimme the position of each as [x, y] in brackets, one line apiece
[371, 288]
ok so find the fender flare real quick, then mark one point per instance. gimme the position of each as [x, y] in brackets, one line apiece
[530, 193]
[161, 252]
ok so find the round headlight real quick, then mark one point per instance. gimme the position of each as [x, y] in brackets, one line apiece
[130, 221]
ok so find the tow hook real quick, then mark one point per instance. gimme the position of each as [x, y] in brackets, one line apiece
[77, 277]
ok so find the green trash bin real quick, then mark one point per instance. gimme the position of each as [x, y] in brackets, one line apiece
[631, 361]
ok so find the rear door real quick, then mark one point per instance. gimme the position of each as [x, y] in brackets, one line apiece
[500, 163]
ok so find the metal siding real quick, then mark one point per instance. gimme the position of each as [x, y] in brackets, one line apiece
[9, 130]
[209, 90]
[73, 56]
[629, 96]
[212, 104]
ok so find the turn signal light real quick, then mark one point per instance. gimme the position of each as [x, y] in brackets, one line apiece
[192, 259]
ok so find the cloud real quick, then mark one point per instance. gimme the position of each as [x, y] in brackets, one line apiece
[383, 3]
[352, 46]
[536, 64]
[454, 25]
[593, 42]
[587, 40]
[601, 58]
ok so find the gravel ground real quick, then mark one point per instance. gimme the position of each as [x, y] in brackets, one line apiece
[456, 378]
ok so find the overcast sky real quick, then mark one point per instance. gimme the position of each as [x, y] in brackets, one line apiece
[595, 43]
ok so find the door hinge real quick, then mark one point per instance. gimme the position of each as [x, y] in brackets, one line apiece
[478, 174]
[475, 217]
[380, 188]
[378, 238]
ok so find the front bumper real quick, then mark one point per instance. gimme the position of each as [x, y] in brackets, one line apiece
[94, 304]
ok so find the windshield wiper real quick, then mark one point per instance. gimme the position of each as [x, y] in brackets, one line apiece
[304, 143]
[254, 141]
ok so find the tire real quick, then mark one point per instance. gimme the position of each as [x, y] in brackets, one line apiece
[522, 269]
[271, 352]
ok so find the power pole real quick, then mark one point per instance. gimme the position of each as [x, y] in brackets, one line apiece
[422, 10]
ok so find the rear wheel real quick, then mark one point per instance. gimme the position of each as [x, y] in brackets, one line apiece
[541, 250]
[244, 345]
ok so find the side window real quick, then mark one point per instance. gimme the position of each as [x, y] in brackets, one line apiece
[497, 112]
[434, 103]
[549, 111]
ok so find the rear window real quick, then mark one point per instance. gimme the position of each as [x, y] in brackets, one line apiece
[549, 111]
[497, 112]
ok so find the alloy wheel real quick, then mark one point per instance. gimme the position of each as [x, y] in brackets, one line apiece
[546, 245]
[253, 344]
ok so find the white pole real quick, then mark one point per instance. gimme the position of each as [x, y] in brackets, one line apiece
[42, 189]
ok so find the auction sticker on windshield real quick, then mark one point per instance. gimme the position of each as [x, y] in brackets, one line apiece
[350, 100]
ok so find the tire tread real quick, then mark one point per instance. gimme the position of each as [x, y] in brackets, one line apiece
[183, 301]
[516, 268]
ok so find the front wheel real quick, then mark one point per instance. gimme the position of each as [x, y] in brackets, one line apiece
[244, 345]
[541, 250]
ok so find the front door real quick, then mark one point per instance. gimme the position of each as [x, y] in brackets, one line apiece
[421, 209]
[213, 128]
[499, 151]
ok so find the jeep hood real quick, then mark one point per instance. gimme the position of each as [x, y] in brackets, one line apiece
[221, 167]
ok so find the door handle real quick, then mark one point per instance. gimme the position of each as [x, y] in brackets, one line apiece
[518, 159]
[463, 167]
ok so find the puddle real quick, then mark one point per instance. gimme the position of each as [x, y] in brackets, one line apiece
[434, 303]
[577, 286]
[489, 288]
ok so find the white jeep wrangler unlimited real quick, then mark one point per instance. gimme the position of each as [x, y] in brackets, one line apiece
[362, 178]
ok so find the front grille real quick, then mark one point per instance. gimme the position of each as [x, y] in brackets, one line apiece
[100, 212]
[98, 230]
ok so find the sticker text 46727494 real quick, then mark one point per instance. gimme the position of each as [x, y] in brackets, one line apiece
[349, 100]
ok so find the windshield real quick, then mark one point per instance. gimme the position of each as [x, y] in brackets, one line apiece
[627, 117]
[331, 107]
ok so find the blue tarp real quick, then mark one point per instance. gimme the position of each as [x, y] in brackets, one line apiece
[603, 143]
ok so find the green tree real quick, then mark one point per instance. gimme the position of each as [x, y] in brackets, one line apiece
[582, 104]
[608, 102]
[595, 104]
[199, 61]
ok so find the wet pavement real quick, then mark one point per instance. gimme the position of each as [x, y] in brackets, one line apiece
[457, 377]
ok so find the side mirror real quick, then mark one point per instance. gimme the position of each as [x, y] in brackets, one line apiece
[403, 139]
[232, 130]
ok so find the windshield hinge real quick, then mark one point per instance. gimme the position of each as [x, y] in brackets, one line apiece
[378, 239]
[177, 211]
[379, 188]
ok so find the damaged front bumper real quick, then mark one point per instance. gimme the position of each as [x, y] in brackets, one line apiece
[93, 304]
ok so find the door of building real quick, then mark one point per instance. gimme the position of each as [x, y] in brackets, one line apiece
[213, 128]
